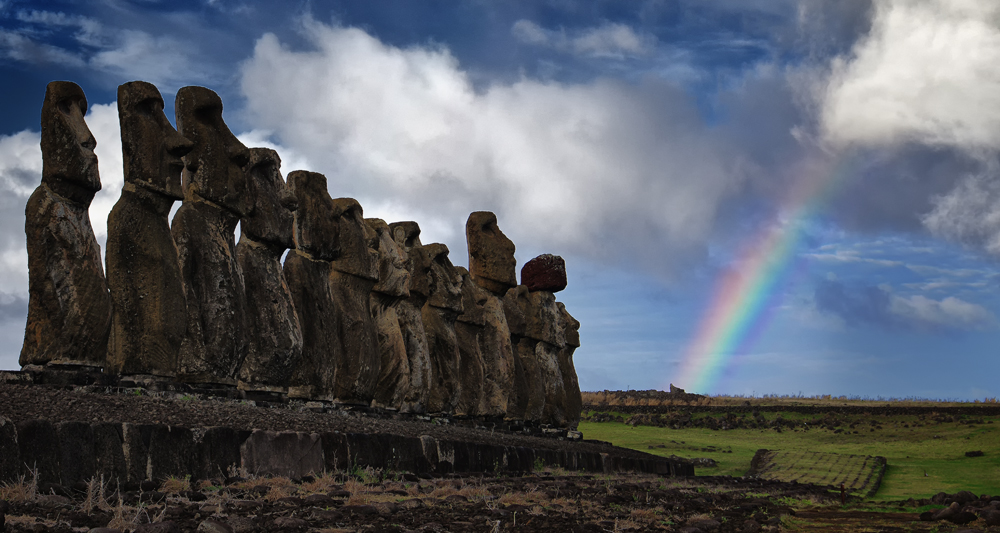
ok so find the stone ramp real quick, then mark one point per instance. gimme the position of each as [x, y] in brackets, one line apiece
[859, 474]
[72, 452]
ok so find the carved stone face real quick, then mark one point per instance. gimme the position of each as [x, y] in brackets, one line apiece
[393, 277]
[67, 145]
[569, 325]
[272, 217]
[491, 253]
[445, 284]
[358, 242]
[215, 168]
[151, 148]
[316, 230]
[474, 299]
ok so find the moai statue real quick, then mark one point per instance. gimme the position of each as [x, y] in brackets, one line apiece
[411, 323]
[436, 279]
[215, 198]
[540, 334]
[469, 330]
[574, 401]
[355, 272]
[491, 253]
[307, 271]
[393, 286]
[150, 313]
[69, 309]
[275, 342]
[492, 264]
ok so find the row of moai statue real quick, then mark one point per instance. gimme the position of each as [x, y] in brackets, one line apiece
[359, 313]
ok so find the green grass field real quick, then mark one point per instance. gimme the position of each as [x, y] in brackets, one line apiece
[923, 459]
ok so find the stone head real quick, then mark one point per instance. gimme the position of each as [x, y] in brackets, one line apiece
[272, 218]
[474, 299]
[315, 229]
[406, 234]
[393, 276]
[151, 148]
[358, 242]
[570, 326]
[491, 253]
[68, 159]
[216, 168]
[445, 282]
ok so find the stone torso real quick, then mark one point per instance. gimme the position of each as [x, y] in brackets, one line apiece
[69, 309]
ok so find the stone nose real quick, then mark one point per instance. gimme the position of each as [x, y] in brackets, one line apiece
[177, 144]
[288, 200]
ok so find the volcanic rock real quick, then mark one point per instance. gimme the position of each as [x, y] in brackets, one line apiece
[69, 308]
[149, 308]
[355, 272]
[491, 253]
[469, 331]
[546, 272]
[393, 286]
[434, 277]
[275, 342]
[411, 325]
[215, 197]
[307, 271]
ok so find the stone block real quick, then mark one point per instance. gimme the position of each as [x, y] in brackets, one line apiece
[172, 452]
[136, 439]
[76, 452]
[287, 453]
[38, 442]
[109, 456]
[336, 451]
[218, 451]
[10, 453]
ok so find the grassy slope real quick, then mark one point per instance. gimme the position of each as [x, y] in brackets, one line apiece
[910, 451]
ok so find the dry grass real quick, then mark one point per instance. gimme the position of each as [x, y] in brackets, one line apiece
[176, 485]
[22, 490]
[324, 482]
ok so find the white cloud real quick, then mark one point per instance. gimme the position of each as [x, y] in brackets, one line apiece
[950, 312]
[607, 40]
[599, 168]
[969, 213]
[926, 73]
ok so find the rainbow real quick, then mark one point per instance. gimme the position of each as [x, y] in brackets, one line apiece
[745, 296]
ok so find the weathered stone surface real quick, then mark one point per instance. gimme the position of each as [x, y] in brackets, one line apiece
[38, 442]
[355, 272]
[307, 271]
[491, 253]
[436, 279]
[10, 453]
[77, 461]
[149, 310]
[571, 384]
[109, 458]
[215, 197]
[393, 285]
[275, 342]
[136, 439]
[469, 331]
[537, 338]
[498, 359]
[218, 451]
[69, 309]
[286, 453]
[411, 325]
[546, 272]
[172, 452]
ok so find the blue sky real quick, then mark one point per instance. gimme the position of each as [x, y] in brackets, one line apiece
[646, 142]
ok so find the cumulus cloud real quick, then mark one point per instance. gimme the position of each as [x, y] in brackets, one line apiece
[970, 213]
[879, 306]
[604, 169]
[925, 73]
[607, 40]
